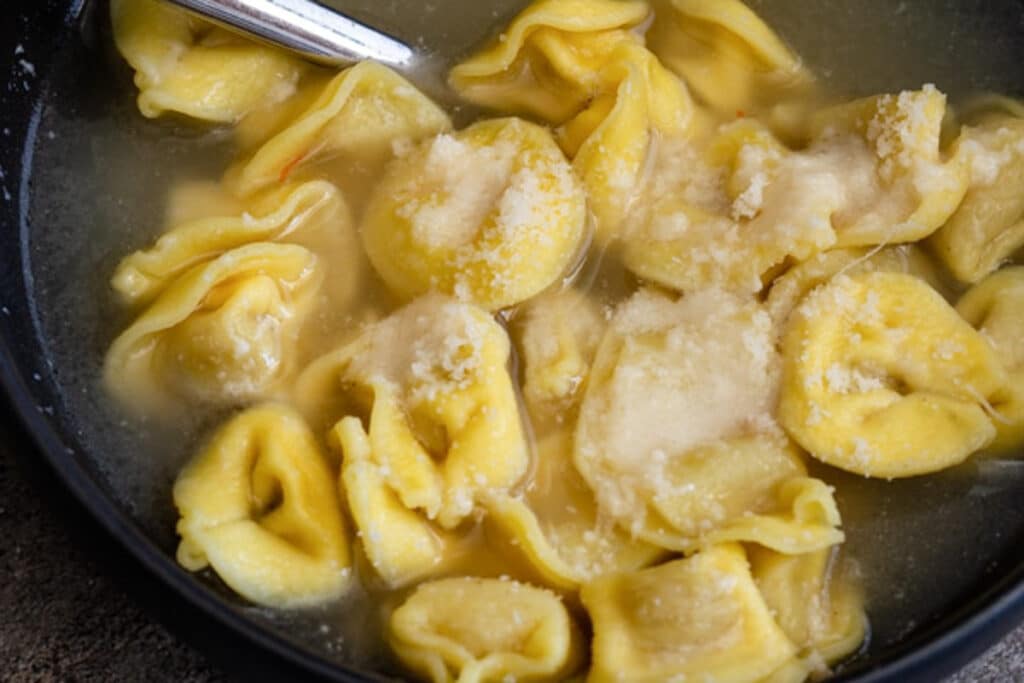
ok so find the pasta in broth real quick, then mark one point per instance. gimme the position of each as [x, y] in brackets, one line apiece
[563, 378]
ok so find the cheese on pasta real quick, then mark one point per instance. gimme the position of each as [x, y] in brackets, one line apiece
[443, 422]
[882, 378]
[473, 630]
[726, 211]
[900, 186]
[700, 618]
[988, 226]
[491, 215]
[676, 435]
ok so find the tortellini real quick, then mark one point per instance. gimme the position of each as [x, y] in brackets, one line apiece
[791, 287]
[700, 618]
[400, 544]
[995, 306]
[731, 60]
[988, 227]
[557, 526]
[259, 506]
[474, 630]
[882, 378]
[750, 490]
[444, 428]
[899, 185]
[359, 117]
[185, 65]
[676, 436]
[727, 212]
[223, 331]
[492, 215]
[548, 63]
[612, 140]
[558, 337]
[313, 213]
[815, 602]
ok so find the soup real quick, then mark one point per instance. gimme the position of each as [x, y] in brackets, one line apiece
[621, 292]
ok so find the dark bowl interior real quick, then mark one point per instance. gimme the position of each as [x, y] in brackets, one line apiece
[81, 182]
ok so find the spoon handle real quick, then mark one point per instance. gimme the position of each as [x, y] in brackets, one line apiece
[318, 33]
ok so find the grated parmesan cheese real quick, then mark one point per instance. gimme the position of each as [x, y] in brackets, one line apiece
[461, 186]
[683, 374]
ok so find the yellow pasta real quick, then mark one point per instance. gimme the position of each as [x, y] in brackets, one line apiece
[676, 436]
[900, 186]
[558, 337]
[473, 630]
[492, 215]
[187, 66]
[818, 607]
[264, 123]
[727, 211]
[700, 618]
[671, 376]
[359, 117]
[556, 525]
[312, 213]
[718, 498]
[731, 60]
[224, 331]
[548, 63]
[444, 425]
[988, 227]
[401, 545]
[883, 378]
[613, 139]
[792, 286]
[995, 306]
[259, 506]
[190, 200]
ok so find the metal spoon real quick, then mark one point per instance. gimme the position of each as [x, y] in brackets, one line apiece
[318, 33]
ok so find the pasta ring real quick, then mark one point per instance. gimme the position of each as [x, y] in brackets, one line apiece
[492, 215]
[473, 630]
[882, 378]
[258, 504]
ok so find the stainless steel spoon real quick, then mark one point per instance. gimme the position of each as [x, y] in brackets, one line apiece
[318, 33]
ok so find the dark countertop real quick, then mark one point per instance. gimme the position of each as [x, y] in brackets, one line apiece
[69, 615]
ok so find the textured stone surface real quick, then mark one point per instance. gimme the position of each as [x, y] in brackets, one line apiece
[69, 611]
[64, 615]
